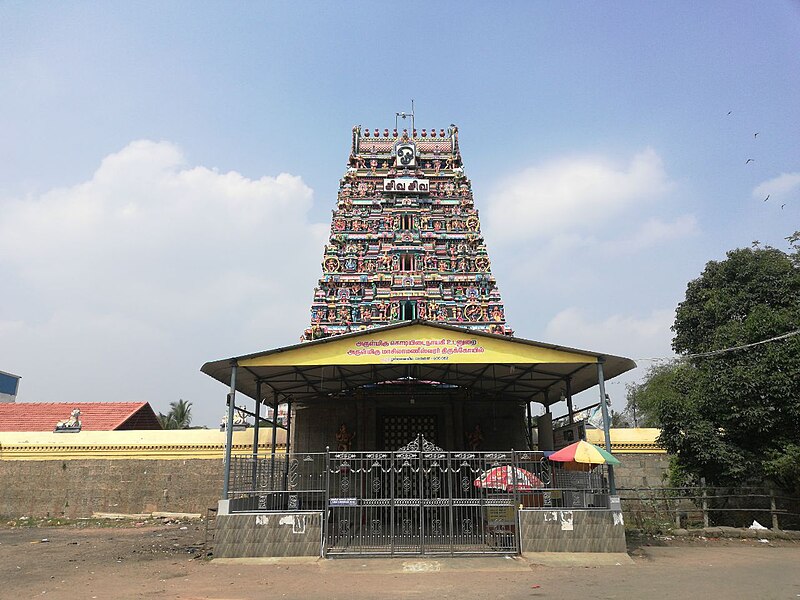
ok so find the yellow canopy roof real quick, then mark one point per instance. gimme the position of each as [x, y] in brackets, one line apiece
[496, 365]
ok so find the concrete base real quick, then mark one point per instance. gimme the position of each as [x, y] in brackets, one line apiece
[577, 559]
[268, 535]
[299, 534]
[577, 530]
[269, 560]
[393, 565]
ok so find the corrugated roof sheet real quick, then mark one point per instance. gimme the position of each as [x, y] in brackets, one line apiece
[95, 416]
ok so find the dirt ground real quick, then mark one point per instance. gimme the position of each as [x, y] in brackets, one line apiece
[150, 560]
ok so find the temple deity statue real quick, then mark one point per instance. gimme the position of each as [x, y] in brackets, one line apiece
[474, 438]
[344, 439]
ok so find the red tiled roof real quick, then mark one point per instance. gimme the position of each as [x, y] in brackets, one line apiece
[95, 416]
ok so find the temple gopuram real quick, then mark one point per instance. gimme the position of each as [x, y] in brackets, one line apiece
[409, 426]
[405, 240]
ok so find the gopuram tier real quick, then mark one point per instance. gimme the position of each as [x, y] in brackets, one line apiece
[405, 240]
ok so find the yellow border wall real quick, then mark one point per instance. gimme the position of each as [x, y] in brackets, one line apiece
[628, 441]
[210, 444]
[118, 445]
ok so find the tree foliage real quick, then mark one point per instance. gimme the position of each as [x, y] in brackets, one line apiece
[620, 419]
[643, 399]
[178, 417]
[733, 415]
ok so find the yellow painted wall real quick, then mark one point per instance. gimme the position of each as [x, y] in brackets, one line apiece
[178, 444]
[210, 444]
[628, 440]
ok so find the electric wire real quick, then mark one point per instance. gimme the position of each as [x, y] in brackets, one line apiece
[722, 350]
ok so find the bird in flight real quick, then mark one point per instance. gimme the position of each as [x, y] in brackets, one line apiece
[749, 160]
[782, 205]
[767, 198]
[730, 111]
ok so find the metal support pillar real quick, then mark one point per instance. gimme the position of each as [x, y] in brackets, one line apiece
[229, 434]
[529, 425]
[274, 440]
[570, 409]
[612, 486]
[256, 427]
[286, 452]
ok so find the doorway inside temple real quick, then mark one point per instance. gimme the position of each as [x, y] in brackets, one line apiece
[396, 429]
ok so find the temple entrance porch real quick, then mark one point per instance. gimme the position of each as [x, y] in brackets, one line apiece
[352, 398]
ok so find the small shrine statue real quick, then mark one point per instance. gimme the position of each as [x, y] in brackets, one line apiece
[71, 424]
[344, 439]
[239, 422]
[475, 438]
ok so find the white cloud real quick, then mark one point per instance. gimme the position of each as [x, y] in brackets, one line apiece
[152, 266]
[624, 335]
[639, 338]
[570, 194]
[652, 232]
[778, 187]
[584, 224]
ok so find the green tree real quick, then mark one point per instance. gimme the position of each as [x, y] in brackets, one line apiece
[642, 407]
[178, 417]
[621, 419]
[733, 415]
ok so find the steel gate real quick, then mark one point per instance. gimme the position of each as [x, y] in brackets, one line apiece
[417, 500]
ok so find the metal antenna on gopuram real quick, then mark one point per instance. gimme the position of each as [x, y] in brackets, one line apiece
[405, 115]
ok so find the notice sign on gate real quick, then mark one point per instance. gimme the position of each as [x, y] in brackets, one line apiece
[343, 502]
[497, 515]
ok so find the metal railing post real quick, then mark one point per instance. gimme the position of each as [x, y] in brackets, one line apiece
[326, 508]
[450, 493]
[392, 509]
[773, 509]
[517, 499]
[421, 493]
[705, 501]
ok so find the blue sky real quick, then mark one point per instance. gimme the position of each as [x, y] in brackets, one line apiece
[169, 168]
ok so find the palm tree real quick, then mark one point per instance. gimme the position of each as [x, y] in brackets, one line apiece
[178, 417]
[165, 420]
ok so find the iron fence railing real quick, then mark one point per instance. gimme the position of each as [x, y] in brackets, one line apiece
[417, 500]
[564, 485]
[278, 483]
[663, 508]
[305, 481]
[382, 491]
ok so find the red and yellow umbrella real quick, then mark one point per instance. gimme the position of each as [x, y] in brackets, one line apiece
[585, 453]
[509, 478]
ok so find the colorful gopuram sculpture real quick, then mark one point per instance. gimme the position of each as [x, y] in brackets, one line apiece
[405, 240]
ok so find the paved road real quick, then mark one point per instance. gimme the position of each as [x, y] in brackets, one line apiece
[157, 562]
